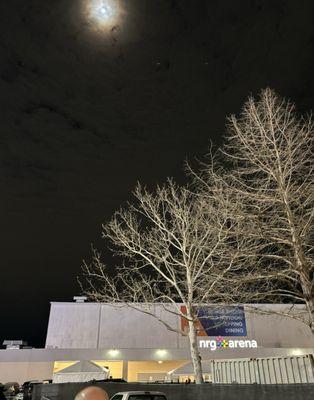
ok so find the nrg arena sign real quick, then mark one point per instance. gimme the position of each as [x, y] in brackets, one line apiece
[220, 342]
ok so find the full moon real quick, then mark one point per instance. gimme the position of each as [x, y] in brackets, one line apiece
[103, 13]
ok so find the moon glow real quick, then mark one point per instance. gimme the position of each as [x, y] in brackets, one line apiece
[103, 13]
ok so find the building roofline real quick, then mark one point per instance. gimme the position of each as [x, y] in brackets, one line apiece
[209, 304]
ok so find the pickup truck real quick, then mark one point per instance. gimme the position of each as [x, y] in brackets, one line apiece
[139, 396]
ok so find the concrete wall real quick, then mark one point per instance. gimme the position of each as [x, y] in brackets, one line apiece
[124, 327]
[25, 371]
[90, 325]
[189, 392]
[73, 325]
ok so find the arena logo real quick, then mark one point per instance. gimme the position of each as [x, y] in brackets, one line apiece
[220, 342]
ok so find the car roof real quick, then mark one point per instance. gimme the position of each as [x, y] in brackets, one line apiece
[142, 392]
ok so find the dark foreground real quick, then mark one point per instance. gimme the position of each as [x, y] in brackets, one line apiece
[67, 391]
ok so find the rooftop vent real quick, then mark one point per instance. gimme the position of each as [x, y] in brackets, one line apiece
[79, 299]
[14, 344]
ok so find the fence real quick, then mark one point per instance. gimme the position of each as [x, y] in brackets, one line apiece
[284, 370]
[186, 392]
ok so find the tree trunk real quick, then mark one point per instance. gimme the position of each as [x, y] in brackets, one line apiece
[311, 358]
[195, 354]
[310, 308]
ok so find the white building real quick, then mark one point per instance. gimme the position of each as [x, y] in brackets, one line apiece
[136, 347]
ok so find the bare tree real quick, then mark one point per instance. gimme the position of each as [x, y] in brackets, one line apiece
[268, 160]
[173, 244]
[244, 236]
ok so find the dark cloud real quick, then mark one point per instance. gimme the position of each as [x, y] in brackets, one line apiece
[86, 113]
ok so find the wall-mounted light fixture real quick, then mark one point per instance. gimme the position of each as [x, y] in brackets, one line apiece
[161, 353]
[113, 352]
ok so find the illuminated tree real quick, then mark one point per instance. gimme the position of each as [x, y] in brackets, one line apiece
[173, 245]
[268, 160]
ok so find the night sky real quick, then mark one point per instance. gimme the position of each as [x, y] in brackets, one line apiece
[86, 112]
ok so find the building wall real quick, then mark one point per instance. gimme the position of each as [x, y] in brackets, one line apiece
[278, 331]
[128, 328]
[101, 332]
[90, 325]
[25, 371]
[143, 370]
[73, 325]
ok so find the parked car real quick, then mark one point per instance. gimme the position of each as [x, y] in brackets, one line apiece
[11, 388]
[139, 396]
[28, 387]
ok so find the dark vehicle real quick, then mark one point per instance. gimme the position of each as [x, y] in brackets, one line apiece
[11, 388]
[27, 389]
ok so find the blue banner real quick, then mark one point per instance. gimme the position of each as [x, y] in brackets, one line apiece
[222, 321]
